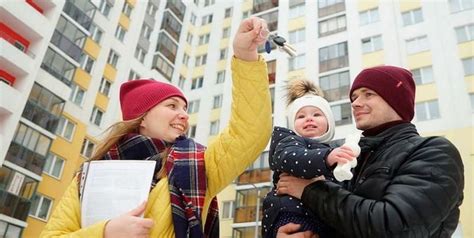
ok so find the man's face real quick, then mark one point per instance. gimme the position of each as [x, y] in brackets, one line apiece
[370, 109]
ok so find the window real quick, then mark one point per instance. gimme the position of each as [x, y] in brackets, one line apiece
[227, 209]
[40, 206]
[140, 54]
[372, 44]
[465, 33]
[66, 128]
[87, 62]
[132, 75]
[193, 19]
[206, 19]
[193, 106]
[214, 129]
[423, 75]
[127, 9]
[197, 83]
[332, 25]
[201, 60]
[417, 45]
[412, 17]
[181, 82]
[226, 32]
[54, 166]
[468, 65]
[330, 7]
[369, 16]
[192, 131]
[471, 97]
[296, 36]
[220, 77]
[342, 114]
[58, 66]
[105, 87]
[223, 54]
[333, 57]
[428, 110]
[120, 32]
[104, 7]
[335, 86]
[96, 116]
[113, 58]
[87, 148]
[204, 39]
[43, 108]
[167, 47]
[9, 229]
[151, 9]
[228, 12]
[185, 59]
[460, 5]
[146, 31]
[297, 62]
[160, 64]
[189, 38]
[36, 144]
[96, 33]
[77, 94]
[297, 11]
[217, 102]
[209, 2]
[245, 14]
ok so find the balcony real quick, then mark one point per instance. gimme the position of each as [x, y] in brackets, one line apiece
[177, 7]
[167, 53]
[331, 9]
[247, 214]
[255, 176]
[335, 63]
[14, 206]
[263, 5]
[56, 73]
[40, 116]
[25, 158]
[171, 25]
[66, 45]
[78, 15]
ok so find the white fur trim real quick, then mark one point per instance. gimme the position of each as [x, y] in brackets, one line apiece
[315, 101]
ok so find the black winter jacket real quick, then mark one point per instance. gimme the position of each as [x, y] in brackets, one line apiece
[404, 186]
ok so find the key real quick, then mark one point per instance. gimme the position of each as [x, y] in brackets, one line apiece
[282, 45]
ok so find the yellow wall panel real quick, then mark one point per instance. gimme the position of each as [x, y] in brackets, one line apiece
[188, 49]
[469, 83]
[198, 71]
[205, 29]
[184, 70]
[419, 60]
[466, 49]
[124, 21]
[132, 2]
[193, 118]
[228, 194]
[296, 74]
[82, 78]
[246, 6]
[221, 65]
[224, 43]
[373, 59]
[191, 28]
[215, 114]
[227, 22]
[110, 72]
[296, 23]
[102, 101]
[407, 5]
[426, 92]
[202, 49]
[92, 48]
[367, 4]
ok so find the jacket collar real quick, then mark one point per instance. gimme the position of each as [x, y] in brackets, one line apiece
[393, 134]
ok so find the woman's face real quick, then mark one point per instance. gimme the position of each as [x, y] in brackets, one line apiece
[166, 121]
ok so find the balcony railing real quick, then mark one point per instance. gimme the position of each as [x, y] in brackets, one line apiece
[41, 116]
[56, 73]
[173, 32]
[335, 63]
[331, 9]
[25, 158]
[14, 206]
[66, 45]
[255, 176]
[77, 14]
[167, 53]
[177, 7]
[247, 214]
[265, 5]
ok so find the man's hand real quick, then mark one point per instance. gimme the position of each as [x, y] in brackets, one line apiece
[294, 186]
[129, 225]
[288, 231]
[252, 32]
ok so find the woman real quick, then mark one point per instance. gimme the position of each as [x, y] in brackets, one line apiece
[155, 117]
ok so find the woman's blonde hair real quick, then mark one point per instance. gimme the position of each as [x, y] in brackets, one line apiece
[118, 130]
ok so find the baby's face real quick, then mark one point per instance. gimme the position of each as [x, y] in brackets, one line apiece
[310, 122]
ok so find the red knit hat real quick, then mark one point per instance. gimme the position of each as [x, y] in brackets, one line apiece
[139, 96]
[394, 84]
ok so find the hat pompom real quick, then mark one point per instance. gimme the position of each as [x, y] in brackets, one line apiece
[299, 87]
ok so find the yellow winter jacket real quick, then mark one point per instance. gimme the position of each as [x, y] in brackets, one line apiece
[234, 149]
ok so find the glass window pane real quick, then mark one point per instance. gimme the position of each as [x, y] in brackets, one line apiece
[48, 163]
[58, 165]
[44, 209]
[434, 109]
[420, 112]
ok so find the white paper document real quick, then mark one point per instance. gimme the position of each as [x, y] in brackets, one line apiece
[111, 188]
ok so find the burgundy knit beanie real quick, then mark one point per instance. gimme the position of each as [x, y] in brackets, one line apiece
[139, 96]
[394, 84]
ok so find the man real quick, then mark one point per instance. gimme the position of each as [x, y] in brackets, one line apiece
[404, 185]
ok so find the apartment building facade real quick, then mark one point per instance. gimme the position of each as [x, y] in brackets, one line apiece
[62, 63]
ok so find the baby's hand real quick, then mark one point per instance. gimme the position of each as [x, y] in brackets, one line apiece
[340, 155]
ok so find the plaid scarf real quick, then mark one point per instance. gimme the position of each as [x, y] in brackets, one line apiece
[186, 173]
